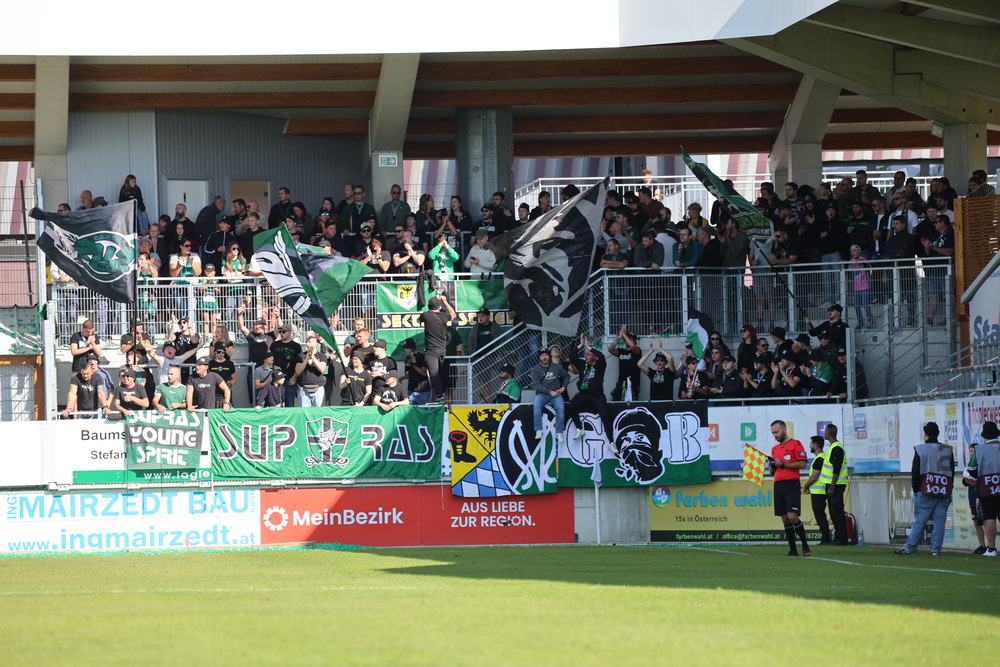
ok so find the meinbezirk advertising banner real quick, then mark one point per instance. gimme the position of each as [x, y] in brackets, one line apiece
[327, 443]
[37, 521]
[404, 516]
[648, 444]
[164, 441]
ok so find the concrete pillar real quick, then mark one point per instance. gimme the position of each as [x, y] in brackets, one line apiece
[797, 154]
[484, 155]
[805, 164]
[387, 170]
[964, 152]
[51, 128]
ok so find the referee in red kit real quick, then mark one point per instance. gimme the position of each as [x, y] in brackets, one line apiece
[787, 459]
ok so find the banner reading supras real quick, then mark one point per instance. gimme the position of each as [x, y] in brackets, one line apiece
[641, 445]
[329, 443]
[168, 441]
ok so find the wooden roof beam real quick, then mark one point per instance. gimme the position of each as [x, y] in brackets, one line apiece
[222, 72]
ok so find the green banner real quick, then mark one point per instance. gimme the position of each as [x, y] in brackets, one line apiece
[327, 443]
[650, 444]
[168, 441]
[398, 313]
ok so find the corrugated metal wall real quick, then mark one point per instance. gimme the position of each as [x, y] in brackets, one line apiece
[224, 146]
[103, 147]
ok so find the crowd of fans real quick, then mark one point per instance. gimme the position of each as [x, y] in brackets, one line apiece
[849, 223]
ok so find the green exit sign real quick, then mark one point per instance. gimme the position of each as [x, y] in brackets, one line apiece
[388, 160]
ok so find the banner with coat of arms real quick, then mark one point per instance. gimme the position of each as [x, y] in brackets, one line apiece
[327, 443]
[494, 452]
[399, 310]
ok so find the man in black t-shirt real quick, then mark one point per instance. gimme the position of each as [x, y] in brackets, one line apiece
[355, 383]
[130, 396]
[661, 377]
[83, 343]
[436, 341]
[417, 383]
[590, 397]
[223, 367]
[86, 393]
[203, 386]
[626, 348]
[381, 366]
[145, 343]
[390, 395]
[286, 355]
[310, 371]
[258, 343]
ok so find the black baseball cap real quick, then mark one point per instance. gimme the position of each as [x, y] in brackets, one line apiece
[381, 343]
[803, 338]
[203, 361]
[508, 369]
[409, 344]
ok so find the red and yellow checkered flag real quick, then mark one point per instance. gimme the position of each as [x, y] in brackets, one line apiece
[754, 463]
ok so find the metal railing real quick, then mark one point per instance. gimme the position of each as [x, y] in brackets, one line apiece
[971, 371]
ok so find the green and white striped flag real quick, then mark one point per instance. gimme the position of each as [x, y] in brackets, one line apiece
[311, 282]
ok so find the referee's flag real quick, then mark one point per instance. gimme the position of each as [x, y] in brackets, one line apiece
[754, 462]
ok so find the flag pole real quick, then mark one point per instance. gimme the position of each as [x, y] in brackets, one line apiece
[779, 277]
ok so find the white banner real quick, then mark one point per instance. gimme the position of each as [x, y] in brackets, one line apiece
[34, 522]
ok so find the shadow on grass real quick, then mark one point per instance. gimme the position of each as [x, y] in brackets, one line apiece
[952, 582]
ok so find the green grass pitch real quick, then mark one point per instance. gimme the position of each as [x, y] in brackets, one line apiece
[726, 605]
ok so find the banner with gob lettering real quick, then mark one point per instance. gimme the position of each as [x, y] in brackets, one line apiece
[169, 441]
[327, 443]
[399, 312]
[494, 451]
[642, 444]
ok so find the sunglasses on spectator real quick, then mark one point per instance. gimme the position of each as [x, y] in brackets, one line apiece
[715, 338]
[282, 330]
[186, 245]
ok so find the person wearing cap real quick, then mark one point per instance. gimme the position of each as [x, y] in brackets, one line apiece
[523, 211]
[214, 250]
[130, 396]
[222, 365]
[286, 355]
[626, 350]
[418, 383]
[549, 382]
[728, 383]
[310, 373]
[590, 367]
[757, 383]
[203, 388]
[355, 382]
[173, 358]
[983, 472]
[86, 394]
[390, 395]
[835, 326]
[788, 378]
[509, 390]
[272, 394]
[483, 331]
[661, 376]
[358, 243]
[932, 475]
[818, 375]
[694, 384]
[259, 342]
[781, 344]
[381, 366]
[436, 341]
[817, 491]
[481, 261]
[801, 349]
[136, 339]
[262, 374]
[170, 394]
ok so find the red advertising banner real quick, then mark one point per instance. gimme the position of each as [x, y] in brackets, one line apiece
[409, 516]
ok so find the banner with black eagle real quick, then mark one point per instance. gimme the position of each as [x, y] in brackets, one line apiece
[96, 247]
[548, 262]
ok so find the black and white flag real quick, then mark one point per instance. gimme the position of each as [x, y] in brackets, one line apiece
[96, 247]
[548, 262]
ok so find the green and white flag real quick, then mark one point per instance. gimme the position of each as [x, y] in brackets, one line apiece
[697, 328]
[312, 286]
[746, 216]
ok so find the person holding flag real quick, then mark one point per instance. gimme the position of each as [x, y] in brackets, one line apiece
[787, 460]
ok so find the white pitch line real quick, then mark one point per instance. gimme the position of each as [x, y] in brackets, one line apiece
[844, 562]
[251, 589]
